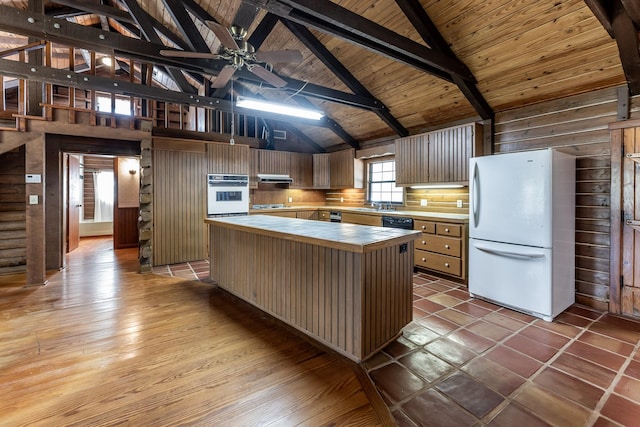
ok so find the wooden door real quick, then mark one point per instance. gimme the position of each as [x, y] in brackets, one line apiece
[74, 202]
[625, 228]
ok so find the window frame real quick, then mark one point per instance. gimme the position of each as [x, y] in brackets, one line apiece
[369, 181]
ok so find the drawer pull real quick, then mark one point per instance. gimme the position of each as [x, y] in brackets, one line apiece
[424, 259]
[446, 230]
[446, 264]
[424, 227]
[424, 242]
[446, 246]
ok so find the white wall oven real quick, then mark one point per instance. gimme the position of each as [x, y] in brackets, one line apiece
[227, 194]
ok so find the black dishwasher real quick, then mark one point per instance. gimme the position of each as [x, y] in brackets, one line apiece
[403, 222]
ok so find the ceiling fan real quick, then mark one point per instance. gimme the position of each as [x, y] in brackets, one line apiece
[240, 53]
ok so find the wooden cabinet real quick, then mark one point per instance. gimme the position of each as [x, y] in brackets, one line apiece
[437, 157]
[274, 162]
[362, 219]
[285, 214]
[442, 247]
[227, 158]
[253, 168]
[324, 215]
[307, 215]
[301, 170]
[345, 170]
[321, 176]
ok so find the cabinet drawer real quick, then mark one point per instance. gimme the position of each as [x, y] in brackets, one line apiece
[453, 230]
[324, 215]
[443, 263]
[424, 226]
[442, 245]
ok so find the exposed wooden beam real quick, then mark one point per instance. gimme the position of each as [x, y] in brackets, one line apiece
[186, 25]
[68, 78]
[602, 11]
[150, 34]
[336, 67]
[626, 35]
[341, 22]
[98, 9]
[431, 35]
[633, 10]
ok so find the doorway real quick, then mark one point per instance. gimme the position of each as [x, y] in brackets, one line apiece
[102, 193]
[625, 219]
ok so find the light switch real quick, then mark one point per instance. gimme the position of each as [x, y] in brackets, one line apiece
[423, 202]
[33, 178]
[33, 199]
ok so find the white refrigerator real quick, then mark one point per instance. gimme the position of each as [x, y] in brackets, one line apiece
[522, 231]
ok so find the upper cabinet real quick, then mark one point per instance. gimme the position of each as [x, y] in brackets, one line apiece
[321, 177]
[274, 162]
[301, 167]
[437, 157]
[227, 158]
[345, 170]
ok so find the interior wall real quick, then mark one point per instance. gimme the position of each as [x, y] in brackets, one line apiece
[577, 125]
[13, 227]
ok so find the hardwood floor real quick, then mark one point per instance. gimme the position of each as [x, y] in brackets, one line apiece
[101, 344]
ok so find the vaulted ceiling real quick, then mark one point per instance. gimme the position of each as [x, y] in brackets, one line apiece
[378, 69]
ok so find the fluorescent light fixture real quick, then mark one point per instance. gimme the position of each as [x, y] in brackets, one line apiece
[432, 186]
[272, 107]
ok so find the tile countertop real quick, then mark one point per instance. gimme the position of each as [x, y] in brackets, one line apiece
[349, 237]
[462, 218]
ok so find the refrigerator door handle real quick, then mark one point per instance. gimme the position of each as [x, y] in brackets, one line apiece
[475, 197]
[510, 254]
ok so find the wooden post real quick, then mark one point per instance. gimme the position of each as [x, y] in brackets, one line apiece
[34, 165]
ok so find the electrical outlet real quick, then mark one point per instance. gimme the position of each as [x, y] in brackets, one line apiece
[341, 199]
[33, 199]
[423, 202]
[290, 199]
[459, 203]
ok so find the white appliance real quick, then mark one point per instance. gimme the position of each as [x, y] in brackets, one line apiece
[522, 231]
[227, 194]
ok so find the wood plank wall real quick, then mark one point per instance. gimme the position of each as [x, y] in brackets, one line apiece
[13, 226]
[179, 194]
[577, 125]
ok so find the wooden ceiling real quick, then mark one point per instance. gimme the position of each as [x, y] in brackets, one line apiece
[412, 65]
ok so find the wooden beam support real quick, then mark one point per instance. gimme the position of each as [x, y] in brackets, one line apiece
[602, 11]
[35, 165]
[340, 22]
[186, 25]
[626, 35]
[337, 68]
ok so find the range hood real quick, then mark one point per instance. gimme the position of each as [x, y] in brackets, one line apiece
[264, 178]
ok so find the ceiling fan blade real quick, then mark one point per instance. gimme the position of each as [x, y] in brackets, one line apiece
[276, 56]
[224, 77]
[187, 54]
[267, 76]
[222, 33]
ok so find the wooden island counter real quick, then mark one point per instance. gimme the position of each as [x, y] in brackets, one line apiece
[348, 286]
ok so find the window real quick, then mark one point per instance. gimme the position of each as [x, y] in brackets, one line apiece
[382, 183]
[123, 105]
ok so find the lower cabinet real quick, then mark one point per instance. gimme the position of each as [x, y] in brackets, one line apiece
[442, 248]
[324, 215]
[355, 218]
[307, 215]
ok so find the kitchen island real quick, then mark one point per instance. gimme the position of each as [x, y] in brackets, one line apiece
[347, 286]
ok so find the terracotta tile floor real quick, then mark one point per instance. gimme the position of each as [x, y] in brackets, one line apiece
[194, 270]
[466, 362]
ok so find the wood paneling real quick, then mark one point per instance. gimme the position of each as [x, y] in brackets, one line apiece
[301, 167]
[412, 153]
[352, 302]
[13, 233]
[273, 162]
[577, 125]
[345, 170]
[179, 194]
[227, 158]
[89, 165]
[321, 172]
